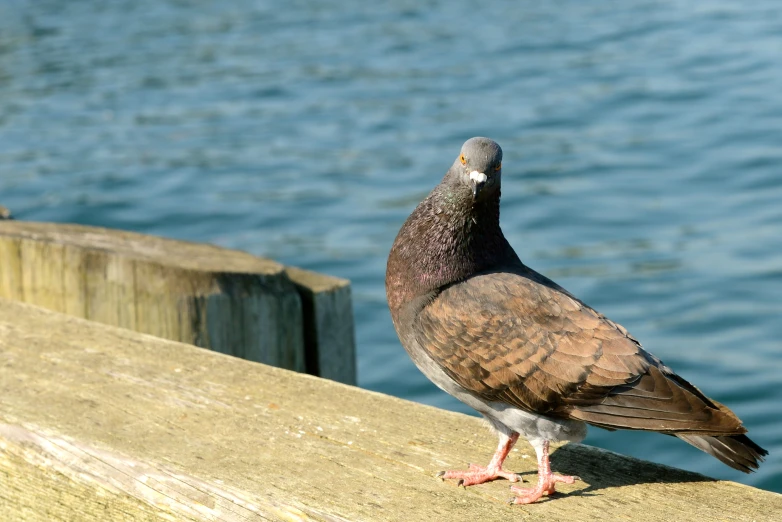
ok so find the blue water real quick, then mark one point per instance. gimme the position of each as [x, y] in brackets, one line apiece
[643, 156]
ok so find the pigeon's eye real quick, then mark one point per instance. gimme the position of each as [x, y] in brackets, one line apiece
[462, 159]
[498, 167]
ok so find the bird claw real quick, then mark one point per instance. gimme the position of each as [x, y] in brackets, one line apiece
[545, 487]
[479, 475]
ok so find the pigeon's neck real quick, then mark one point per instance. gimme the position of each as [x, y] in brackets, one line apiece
[447, 239]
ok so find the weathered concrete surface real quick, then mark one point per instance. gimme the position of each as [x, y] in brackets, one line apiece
[101, 423]
[226, 300]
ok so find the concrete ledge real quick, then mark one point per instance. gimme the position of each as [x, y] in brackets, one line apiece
[101, 423]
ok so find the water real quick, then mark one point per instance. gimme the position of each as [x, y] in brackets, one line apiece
[642, 156]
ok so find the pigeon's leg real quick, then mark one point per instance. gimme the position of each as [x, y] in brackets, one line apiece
[479, 474]
[546, 479]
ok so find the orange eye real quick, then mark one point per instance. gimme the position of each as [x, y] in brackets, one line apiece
[498, 167]
[462, 159]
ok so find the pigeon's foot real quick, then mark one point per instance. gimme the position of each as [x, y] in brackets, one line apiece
[479, 475]
[545, 487]
[546, 480]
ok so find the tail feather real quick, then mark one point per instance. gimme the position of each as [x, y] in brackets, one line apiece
[737, 451]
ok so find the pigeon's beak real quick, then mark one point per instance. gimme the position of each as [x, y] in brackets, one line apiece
[478, 181]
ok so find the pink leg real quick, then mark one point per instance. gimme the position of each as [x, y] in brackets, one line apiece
[546, 479]
[479, 474]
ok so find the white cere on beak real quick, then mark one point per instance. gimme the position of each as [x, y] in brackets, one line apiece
[480, 177]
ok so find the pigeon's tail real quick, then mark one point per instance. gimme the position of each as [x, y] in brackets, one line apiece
[737, 451]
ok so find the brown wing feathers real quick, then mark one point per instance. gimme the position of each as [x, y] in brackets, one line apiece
[524, 341]
[655, 402]
[510, 338]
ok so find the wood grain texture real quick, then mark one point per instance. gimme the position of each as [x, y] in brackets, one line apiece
[102, 423]
[225, 300]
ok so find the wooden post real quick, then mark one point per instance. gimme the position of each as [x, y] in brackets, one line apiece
[225, 300]
[100, 423]
[329, 335]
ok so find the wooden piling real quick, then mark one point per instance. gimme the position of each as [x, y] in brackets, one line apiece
[329, 334]
[99, 423]
[226, 300]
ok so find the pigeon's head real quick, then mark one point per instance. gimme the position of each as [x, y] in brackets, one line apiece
[479, 166]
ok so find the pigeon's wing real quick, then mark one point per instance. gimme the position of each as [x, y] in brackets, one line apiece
[520, 339]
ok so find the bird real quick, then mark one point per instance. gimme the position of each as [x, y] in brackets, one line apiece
[529, 356]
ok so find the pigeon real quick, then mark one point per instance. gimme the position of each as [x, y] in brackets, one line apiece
[529, 356]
